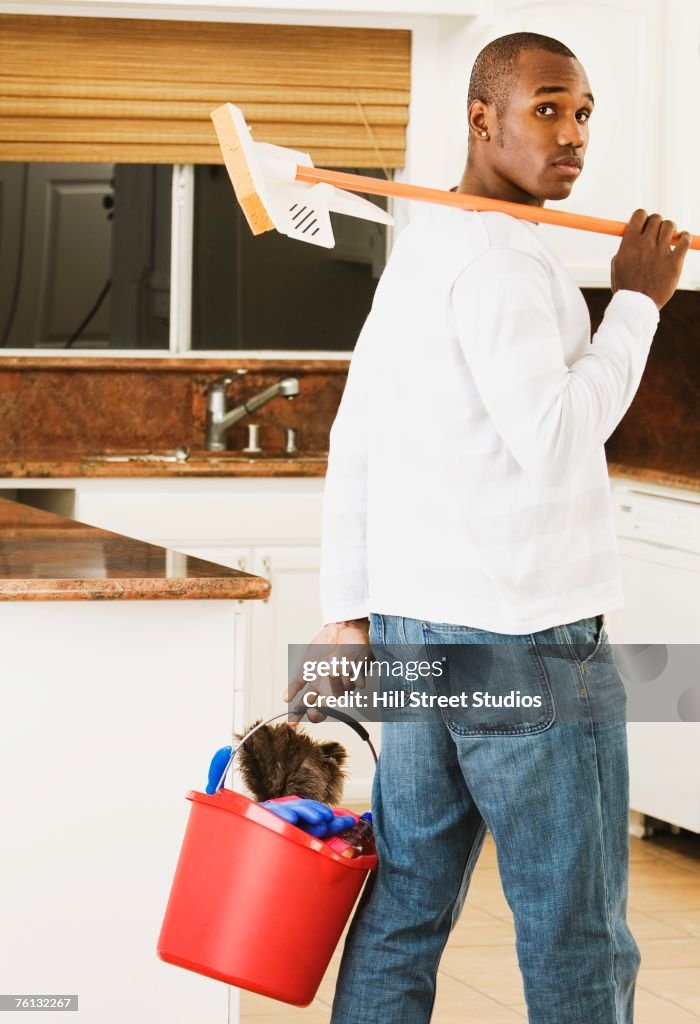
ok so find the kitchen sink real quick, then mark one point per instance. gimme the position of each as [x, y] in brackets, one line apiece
[260, 456]
[138, 456]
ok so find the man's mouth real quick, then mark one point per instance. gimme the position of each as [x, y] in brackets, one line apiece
[569, 166]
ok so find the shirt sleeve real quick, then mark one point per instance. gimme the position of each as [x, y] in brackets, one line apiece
[343, 576]
[552, 417]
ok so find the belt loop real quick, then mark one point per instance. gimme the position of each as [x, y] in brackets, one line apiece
[377, 626]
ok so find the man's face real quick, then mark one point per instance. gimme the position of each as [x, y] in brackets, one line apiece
[542, 136]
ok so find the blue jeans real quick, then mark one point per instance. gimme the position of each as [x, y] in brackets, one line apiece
[553, 792]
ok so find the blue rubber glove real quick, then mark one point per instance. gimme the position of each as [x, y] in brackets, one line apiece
[311, 816]
[216, 768]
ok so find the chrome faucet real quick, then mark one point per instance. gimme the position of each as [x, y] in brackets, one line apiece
[219, 420]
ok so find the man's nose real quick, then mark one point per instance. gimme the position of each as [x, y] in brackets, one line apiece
[572, 133]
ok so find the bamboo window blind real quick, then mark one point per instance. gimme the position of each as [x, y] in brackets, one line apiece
[141, 91]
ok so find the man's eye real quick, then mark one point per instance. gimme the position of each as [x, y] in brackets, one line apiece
[545, 106]
[586, 115]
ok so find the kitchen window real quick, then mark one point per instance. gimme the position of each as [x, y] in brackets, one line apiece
[147, 256]
[269, 291]
[119, 229]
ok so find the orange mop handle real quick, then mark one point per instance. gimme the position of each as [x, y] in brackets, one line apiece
[536, 214]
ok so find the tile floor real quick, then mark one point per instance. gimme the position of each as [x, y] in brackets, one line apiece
[664, 915]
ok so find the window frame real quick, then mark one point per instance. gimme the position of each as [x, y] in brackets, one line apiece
[181, 285]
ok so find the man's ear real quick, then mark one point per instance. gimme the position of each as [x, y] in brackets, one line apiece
[478, 119]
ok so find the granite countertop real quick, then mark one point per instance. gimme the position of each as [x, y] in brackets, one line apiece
[198, 464]
[685, 477]
[239, 464]
[45, 557]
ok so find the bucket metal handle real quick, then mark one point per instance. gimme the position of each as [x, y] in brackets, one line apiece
[330, 712]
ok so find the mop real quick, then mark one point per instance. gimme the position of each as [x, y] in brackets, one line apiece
[280, 188]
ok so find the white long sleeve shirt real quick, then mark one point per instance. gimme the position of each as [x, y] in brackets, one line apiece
[467, 480]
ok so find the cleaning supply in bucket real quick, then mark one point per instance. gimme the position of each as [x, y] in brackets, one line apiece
[312, 816]
[257, 902]
[283, 760]
[344, 832]
[358, 840]
[217, 769]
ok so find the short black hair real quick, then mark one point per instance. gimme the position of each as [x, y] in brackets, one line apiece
[493, 73]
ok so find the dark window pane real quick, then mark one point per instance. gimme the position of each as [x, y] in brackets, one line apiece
[273, 292]
[84, 255]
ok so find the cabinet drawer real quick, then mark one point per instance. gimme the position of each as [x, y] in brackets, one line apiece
[225, 511]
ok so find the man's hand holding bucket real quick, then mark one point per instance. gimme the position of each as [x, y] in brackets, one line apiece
[348, 639]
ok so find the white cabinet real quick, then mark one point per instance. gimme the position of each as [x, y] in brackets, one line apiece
[240, 511]
[658, 531]
[270, 527]
[641, 57]
[111, 713]
[659, 542]
[292, 615]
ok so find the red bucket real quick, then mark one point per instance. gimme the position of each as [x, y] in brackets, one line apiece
[257, 902]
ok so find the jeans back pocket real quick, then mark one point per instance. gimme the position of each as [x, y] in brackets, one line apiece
[490, 684]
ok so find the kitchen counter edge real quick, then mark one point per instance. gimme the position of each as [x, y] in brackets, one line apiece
[47, 557]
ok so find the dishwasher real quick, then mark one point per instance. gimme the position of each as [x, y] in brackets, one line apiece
[658, 531]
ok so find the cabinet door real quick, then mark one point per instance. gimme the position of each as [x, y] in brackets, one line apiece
[664, 767]
[235, 558]
[292, 615]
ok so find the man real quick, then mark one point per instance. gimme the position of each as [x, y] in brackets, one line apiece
[467, 501]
